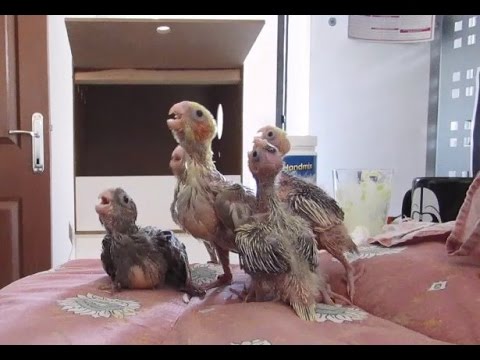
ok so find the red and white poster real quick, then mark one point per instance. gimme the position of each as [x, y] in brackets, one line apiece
[392, 28]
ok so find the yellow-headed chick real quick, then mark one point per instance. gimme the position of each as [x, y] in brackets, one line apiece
[207, 205]
[177, 166]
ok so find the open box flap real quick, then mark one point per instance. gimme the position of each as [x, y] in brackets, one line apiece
[99, 43]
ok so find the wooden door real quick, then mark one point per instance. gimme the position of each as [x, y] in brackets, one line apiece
[25, 245]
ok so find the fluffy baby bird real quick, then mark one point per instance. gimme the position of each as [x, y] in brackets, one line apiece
[140, 257]
[315, 206]
[277, 248]
[177, 166]
[208, 206]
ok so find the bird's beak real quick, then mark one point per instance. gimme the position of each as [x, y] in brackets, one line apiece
[259, 142]
[174, 110]
[105, 198]
[175, 121]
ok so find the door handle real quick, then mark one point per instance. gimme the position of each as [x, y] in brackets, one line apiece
[37, 142]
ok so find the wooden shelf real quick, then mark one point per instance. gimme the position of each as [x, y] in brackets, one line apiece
[158, 77]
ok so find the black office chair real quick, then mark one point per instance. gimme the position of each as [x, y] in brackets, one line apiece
[435, 199]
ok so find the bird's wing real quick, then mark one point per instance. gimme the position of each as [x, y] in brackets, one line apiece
[175, 253]
[261, 253]
[306, 247]
[106, 256]
[233, 205]
[173, 205]
[315, 205]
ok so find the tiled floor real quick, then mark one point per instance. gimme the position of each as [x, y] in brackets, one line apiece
[90, 247]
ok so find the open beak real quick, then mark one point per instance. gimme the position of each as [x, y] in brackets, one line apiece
[105, 201]
[175, 121]
[258, 141]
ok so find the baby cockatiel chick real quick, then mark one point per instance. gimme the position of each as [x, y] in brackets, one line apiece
[208, 206]
[177, 166]
[315, 206]
[276, 247]
[140, 257]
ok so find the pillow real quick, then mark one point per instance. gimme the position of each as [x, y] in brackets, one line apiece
[270, 323]
[417, 286]
[413, 231]
[465, 236]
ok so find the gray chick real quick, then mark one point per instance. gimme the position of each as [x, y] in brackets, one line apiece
[140, 257]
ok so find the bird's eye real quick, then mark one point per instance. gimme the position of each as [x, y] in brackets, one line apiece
[199, 113]
[125, 199]
[271, 149]
[270, 134]
[254, 154]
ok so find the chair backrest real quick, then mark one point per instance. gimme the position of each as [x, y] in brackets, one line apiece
[436, 199]
[407, 204]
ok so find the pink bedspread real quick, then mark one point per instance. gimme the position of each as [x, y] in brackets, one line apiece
[419, 287]
[396, 306]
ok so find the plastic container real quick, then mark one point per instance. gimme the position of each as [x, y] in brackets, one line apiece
[364, 195]
[301, 160]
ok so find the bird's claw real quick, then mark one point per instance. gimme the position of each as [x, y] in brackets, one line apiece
[194, 290]
[109, 288]
[243, 295]
[222, 280]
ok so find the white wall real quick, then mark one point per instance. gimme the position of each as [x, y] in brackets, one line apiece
[259, 110]
[298, 76]
[260, 88]
[368, 105]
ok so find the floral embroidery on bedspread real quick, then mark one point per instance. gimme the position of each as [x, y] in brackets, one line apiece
[339, 314]
[369, 251]
[439, 285]
[205, 273]
[253, 342]
[97, 306]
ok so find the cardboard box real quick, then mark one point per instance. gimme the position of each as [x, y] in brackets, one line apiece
[127, 75]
